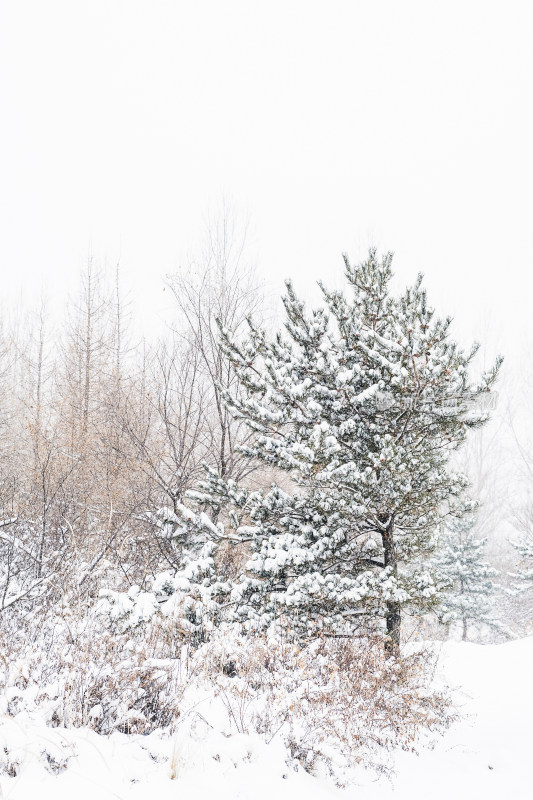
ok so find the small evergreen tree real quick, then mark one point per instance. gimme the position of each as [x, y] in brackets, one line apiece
[468, 589]
[359, 404]
[525, 551]
[186, 592]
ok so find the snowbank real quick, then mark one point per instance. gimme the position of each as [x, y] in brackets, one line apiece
[488, 752]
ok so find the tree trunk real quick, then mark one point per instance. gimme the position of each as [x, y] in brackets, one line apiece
[393, 618]
[461, 592]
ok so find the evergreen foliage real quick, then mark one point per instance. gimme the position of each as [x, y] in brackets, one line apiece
[185, 593]
[525, 551]
[468, 587]
[357, 406]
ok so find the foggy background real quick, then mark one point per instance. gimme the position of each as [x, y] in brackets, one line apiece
[328, 126]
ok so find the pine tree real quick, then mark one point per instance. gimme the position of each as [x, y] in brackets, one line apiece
[525, 551]
[359, 405]
[468, 588]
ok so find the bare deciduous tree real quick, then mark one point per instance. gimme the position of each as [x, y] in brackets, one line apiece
[219, 287]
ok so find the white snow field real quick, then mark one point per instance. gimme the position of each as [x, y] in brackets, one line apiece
[486, 754]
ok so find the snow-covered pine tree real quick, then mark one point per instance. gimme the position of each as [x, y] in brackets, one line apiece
[525, 551]
[360, 404]
[468, 588]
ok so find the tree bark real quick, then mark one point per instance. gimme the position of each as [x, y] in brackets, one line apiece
[393, 617]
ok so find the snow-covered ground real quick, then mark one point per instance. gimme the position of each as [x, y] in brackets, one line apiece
[487, 753]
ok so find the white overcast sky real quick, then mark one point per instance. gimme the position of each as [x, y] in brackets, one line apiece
[332, 125]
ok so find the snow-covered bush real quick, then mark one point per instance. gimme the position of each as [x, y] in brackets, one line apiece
[75, 671]
[335, 702]
[186, 596]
